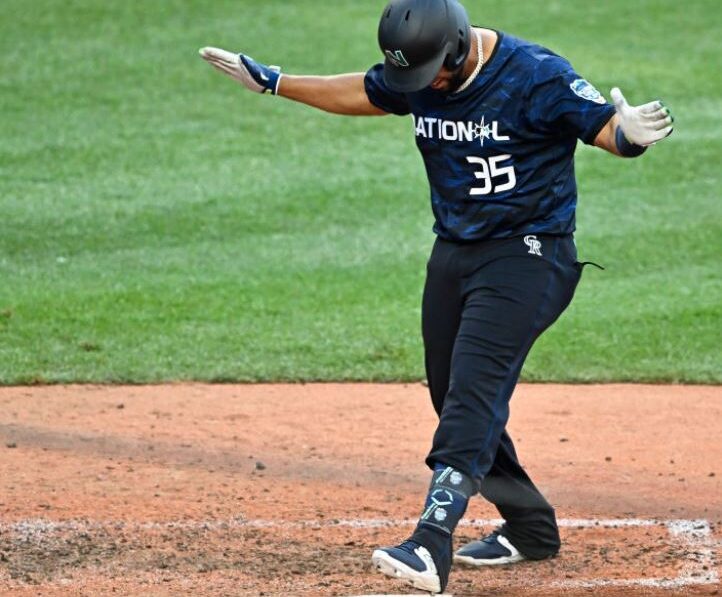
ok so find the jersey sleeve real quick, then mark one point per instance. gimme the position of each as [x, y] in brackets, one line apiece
[381, 96]
[564, 103]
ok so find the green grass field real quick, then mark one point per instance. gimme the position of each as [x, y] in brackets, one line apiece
[159, 223]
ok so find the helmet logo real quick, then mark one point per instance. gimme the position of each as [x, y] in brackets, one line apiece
[397, 58]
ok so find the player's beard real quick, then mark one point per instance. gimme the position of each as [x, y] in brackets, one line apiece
[457, 80]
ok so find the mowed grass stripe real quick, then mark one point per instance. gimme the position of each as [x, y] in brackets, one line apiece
[160, 224]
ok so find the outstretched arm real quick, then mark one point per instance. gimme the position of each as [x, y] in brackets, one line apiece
[340, 94]
[634, 128]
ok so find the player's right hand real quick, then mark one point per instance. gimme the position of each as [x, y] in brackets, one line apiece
[257, 77]
[643, 125]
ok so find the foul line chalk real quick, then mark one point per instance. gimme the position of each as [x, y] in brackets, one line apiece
[677, 528]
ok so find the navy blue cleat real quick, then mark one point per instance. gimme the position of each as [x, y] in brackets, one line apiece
[492, 550]
[412, 563]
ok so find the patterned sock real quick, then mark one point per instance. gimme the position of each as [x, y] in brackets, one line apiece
[445, 505]
[447, 500]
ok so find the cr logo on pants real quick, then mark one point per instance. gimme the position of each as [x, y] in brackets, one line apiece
[534, 244]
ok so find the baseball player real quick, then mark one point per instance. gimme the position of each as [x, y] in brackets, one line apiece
[497, 120]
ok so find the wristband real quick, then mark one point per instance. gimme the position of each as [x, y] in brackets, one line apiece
[627, 149]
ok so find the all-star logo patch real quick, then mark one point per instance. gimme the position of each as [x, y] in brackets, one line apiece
[587, 91]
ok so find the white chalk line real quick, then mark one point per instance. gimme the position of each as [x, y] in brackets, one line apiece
[696, 535]
[41, 525]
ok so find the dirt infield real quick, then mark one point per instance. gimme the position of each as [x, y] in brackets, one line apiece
[286, 489]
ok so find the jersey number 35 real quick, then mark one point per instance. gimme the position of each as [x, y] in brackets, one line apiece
[491, 173]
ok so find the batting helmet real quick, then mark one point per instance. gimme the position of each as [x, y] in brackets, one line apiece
[418, 37]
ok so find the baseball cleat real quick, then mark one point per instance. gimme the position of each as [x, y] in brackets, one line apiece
[492, 550]
[410, 562]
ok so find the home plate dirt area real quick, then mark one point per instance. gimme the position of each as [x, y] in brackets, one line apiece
[287, 489]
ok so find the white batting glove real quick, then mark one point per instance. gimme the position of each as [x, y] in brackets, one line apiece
[643, 125]
[254, 76]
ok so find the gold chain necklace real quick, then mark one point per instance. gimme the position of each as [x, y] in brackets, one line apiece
[479, 64]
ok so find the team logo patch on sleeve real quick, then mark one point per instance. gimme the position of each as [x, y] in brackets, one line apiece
[587, 91]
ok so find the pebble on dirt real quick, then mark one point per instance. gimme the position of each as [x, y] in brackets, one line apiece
[11, 445]
[260, 466]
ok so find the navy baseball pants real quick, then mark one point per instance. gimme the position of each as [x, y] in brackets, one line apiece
[484, 306]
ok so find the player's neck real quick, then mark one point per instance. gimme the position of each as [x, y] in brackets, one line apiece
[489, 40]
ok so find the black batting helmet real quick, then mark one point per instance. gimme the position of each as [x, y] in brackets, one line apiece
[418, 37]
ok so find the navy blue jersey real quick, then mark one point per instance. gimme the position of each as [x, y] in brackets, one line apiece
[500, 155]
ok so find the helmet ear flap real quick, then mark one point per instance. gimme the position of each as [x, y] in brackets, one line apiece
[456, 58]
[450, 62]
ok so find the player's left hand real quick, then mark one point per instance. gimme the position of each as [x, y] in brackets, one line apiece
[643, 125]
